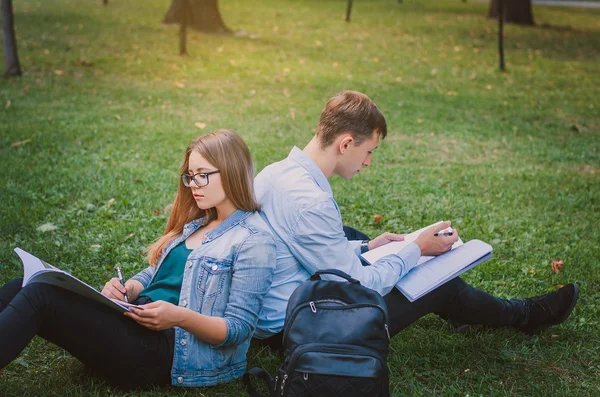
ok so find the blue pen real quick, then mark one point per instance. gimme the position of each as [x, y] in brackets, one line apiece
[443, 234]
[122, 282]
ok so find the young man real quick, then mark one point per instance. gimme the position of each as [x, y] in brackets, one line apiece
[297, 203]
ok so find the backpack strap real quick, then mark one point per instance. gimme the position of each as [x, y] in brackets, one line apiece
[259, 373]
[335, 272]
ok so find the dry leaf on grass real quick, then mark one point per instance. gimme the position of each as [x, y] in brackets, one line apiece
[47, 227]
[557, 265]
[377, 218]
[179, 84]
[200, 125]
[19, 143]
[59, 72]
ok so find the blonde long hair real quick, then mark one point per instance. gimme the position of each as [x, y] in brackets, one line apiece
[225, 150]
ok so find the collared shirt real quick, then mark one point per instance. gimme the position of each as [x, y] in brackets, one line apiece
[298, 205]
[227, 276]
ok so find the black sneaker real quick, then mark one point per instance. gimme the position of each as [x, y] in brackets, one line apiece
[549, 309]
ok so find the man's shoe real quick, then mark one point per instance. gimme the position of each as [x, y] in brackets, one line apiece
[550, 309]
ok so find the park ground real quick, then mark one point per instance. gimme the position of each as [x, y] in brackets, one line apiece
[93, 133]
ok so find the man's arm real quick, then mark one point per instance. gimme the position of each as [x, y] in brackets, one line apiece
[317, 241]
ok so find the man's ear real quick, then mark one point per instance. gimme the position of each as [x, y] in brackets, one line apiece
[345, 142]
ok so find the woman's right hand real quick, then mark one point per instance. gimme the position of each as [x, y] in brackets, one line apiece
[115, 290]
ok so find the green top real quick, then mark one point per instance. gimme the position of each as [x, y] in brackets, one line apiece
[166, 286]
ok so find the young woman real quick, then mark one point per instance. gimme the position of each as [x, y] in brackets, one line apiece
[199, 299]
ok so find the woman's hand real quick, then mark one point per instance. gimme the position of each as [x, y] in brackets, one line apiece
[157, 316]
[113, 289]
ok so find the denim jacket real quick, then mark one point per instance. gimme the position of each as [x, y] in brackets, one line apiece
[227, 276]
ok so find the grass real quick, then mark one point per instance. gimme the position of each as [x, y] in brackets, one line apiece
[512, 158]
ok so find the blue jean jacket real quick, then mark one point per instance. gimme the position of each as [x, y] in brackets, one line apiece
[227, 276]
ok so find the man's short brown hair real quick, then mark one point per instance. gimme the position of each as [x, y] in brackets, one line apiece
[350, 111]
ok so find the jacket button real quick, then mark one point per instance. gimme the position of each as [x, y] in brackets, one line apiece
[183, 342]
[184, 303]
[189, 264]
[180, 380]
[215, 267]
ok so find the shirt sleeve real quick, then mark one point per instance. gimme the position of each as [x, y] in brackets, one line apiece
[318, 242]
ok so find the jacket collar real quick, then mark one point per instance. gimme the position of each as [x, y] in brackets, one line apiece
[232, 220]
[307, 163]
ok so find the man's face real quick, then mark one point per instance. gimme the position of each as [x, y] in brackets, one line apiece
[355, 157]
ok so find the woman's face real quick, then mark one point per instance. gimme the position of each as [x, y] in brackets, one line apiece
[211, 195]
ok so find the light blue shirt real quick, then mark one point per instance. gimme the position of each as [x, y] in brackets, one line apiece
[298, 205]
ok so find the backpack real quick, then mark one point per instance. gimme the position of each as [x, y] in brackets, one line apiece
[336, 340]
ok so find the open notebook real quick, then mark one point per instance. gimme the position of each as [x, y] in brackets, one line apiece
[431, 272]
[36, 270]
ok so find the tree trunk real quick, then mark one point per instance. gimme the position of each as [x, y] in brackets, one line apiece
[348, 10]
[203, 15]
[515, 11]
[11, 58]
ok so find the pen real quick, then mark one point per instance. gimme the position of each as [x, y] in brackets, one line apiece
[122, 282]
[443, 234]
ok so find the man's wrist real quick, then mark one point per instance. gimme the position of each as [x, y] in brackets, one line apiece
[364, 246]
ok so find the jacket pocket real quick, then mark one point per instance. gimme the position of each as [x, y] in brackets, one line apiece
[213, 284]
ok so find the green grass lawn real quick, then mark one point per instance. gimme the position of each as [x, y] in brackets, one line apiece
[106, 107]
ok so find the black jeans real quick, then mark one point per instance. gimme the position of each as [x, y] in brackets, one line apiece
[455, 301]
[126, 353]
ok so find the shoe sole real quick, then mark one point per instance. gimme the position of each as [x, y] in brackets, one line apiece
[539, 329]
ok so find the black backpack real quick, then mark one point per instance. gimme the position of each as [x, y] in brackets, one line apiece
[336, 340]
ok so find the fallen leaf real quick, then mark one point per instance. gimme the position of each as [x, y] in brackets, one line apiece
[559, 286]
[467, 370]
[19, 143]
[532, 271]
[419, 121]
[286, 92]
[59, 72]
[7, 104]
[136, 180]
[110, 202]
[318, 43]
[377, 218]
[451, 93]
[554, 336]
[557, 265]
[156, 212]
[95, 246]
[488, 87]
[375, 59]
[293, 113]
[179, 84]
[83, 62]
[200, 125]
[47, 227]
[117, 117]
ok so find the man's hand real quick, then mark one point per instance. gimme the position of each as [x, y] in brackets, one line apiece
[384, 239]
[157, 316]
[114, 290]
[431, 245]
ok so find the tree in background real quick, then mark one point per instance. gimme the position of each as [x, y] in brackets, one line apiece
[11, 58]
[515, 11]
[201, 15]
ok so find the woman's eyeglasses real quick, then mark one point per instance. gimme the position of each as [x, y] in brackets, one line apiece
[200, 179]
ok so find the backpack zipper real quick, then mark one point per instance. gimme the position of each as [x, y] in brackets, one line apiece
[327, 348]
[313, 308]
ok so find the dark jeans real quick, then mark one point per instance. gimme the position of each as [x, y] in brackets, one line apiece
[455, 301]
[126, 353]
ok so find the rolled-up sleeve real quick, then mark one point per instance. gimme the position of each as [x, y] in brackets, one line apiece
[318, 242]
[145, 276]
[251, 280]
